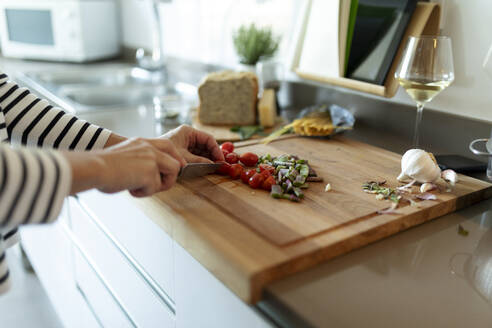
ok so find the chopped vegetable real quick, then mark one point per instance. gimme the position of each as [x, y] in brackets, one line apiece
[236, 170]
[224, 169]
[285, 176]
[268, 183]
[462, 231]
[277, 191]
[298, 192]
[327, 187]
[247, 174]
[256, 180]
[374, 187]
[249, 159]
[229, 146]
[232, 158]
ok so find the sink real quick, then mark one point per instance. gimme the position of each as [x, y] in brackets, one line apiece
[107, 87]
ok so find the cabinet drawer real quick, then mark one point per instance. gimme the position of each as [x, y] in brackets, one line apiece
[99, 298]
[143, 304]
[145, 241]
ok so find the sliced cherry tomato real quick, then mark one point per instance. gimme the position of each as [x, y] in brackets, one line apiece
[236, 171]
[268, 183]
[256, 180]
[225, 152]
[224, 169]
[227, 146]
[249, 159]
[232, 158]
[247, 174]
[266, 167]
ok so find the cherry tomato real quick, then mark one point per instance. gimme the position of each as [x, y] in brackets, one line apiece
[268, 183]
[227, 146]
[236, 171]
[249, 159]
[256, 180]
[232, 158]
[247, 174]
[266, 167]
[225, 152]
[224, 169]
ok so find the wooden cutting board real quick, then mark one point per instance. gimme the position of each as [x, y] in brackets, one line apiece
[248, 239]
[223, 133]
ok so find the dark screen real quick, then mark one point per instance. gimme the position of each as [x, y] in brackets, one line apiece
[378, 31]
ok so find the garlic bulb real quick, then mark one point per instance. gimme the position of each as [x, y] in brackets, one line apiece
[419, 165]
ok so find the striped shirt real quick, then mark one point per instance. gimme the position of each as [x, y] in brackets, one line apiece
[34, 180]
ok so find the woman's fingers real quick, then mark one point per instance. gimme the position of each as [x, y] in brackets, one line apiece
[166, 146]
[168, 170]
[191, 158]
[207, 141]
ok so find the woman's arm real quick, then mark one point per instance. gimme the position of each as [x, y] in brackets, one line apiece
[33, 121]
[34, 182]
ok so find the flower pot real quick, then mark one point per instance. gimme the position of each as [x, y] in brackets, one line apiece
[245, 68]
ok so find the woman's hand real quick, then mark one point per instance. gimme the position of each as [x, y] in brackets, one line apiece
[194, 145]
[142, 166]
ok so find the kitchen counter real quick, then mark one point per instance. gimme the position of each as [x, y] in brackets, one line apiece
[429, 275]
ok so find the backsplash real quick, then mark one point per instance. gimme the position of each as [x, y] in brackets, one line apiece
[201, 30]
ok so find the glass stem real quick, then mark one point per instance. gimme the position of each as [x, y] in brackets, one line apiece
[418, 119]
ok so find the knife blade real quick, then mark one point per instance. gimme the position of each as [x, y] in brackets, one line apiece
[193, 170]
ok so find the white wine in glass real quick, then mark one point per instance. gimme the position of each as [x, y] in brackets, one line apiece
[426, 68]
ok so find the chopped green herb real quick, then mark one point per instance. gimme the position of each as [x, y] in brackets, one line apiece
[246, 132]
[462, 231]
[375, 187]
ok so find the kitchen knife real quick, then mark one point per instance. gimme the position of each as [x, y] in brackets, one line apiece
[193, 170]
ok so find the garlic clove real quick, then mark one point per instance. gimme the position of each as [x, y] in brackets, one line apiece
[428, 186]
[450, 176]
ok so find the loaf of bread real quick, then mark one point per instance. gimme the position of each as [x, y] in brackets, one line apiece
[228, 98]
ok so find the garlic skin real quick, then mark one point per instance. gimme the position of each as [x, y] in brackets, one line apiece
[419, 165]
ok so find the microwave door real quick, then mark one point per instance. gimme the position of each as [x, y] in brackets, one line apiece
[30, 26]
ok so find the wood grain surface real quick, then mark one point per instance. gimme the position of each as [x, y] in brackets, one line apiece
[223, 133]
[248, 239]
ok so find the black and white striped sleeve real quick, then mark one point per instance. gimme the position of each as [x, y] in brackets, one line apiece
[33, 121]
[33, 185]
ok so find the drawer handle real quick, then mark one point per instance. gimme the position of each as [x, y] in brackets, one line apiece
[98, 273]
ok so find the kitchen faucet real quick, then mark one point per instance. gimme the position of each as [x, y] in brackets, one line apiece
[153, 66]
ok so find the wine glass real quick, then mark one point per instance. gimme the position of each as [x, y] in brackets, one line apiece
[426, 68]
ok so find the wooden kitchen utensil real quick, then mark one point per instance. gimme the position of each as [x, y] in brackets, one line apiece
[247, 239]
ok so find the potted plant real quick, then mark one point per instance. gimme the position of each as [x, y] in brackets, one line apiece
[252, 43]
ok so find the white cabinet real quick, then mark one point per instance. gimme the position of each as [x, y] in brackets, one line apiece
[140, 237]
[99, 298]
[50, 252]
[122, 263]
[203, 301]
[129, 288]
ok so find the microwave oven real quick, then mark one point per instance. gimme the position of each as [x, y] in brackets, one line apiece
[59, 30]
